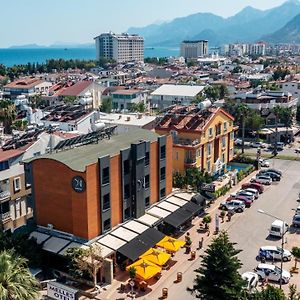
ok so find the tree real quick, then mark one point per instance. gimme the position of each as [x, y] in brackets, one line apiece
[20, 124]
[218, 276]
[84, 262]
[280, 73]
[237, 69]
[138, 107]
[69, 99]
[293, 295]
[179, 180]
[7, 114]
[16, 281]
[296, 253]
[254, 121]
[269, 293]
[277, 111]
[242, 111]
[106, 105]
[212, 92]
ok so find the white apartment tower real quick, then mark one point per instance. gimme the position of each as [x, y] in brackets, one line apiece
[194, 49]
[120, 47]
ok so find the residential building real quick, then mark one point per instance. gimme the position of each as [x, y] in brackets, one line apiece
[15, 209]
[124, 99]
[169, 94]
[87, 190]
[120, 47]
[29, 87]
[70, 118]
[203, 137]
[194, 49]
[258, 49]
[244, 49]
[290, 86]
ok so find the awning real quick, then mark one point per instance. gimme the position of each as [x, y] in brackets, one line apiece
[149, 220]
[55, 244]
[158, 212]
[179, 217]
[185, 196]
[139, 245]
[192, 208]
[199, 199]
[177, 201]
[111, 241]
[124, 234]
[167, 206]
[39, 236]
[70, 246]
[136, 226]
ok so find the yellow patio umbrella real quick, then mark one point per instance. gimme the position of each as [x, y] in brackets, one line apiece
[156, 256]
[145, 269]
[170, 244]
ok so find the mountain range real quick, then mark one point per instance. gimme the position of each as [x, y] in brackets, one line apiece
[248, 25]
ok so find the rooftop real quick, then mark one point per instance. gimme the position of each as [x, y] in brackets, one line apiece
[78, 158]
[178, 90]
[127, 119]
[24, 83]
[76, 89]
[126, 92]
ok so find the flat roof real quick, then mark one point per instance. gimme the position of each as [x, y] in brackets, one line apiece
[127, 119]
[178, 90]
[135, 226]
[78, 158]
[167, 206]
[124, 234]
[111, 242]
[55, 244]
[159, 212]
[148, 219]
[70, 246]
[105, 251]
[40, 237]
[185, 196]
[177, 201]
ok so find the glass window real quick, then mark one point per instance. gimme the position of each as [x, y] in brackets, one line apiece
[208, 166]
[163, 173]
[210, 132]
[105, 175]
[147, 159]
[163, 152]
[106, 202]
[147, 201]
[126, 191]
[126, 166]
[147, 181]
[106, 225]
[4, 165]
[208, 149]
[163, 193]
[127, 213]
[17, 184]
[225, 126]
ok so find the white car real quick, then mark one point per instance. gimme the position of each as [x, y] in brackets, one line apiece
[274, 253]
[238, 142]
[264, 163]
[262, 179]
[252, 280]
[257, 145]
[243, 193]
[254, 192]
[272, 272]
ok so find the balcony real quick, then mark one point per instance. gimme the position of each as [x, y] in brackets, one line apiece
[190, 162]
[4, 195]
[5, 216]
[186, 142]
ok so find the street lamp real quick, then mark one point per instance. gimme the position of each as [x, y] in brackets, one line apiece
[282, 241]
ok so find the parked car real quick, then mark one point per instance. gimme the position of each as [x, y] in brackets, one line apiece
[262, 179]
[243, 193]
[274, 176]
[254, 192]
[234, 205]
[297, 210]
[256, 144]
[259, 187]
[278, 228]
[264, 163]
[274, 253]
[274, 171]
[296, 221]
[252, 280]
[238, 142]
[272, 272]
[246, 200]
[297, 150]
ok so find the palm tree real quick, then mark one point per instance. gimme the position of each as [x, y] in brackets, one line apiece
[242, 112]
[7, 114]
[16, 282]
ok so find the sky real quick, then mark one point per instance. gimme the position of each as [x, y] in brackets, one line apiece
[46, 22]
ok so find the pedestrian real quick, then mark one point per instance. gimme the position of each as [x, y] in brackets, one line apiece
[200, 243]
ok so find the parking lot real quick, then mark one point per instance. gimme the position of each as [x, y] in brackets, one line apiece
[250, 228]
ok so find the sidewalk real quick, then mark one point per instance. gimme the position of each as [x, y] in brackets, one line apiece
[182, 260]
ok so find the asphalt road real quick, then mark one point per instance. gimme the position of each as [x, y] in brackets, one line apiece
[250, 229]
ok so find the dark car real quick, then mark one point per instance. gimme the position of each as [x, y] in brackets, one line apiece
[252, 185]
[274, 176]
[274, 171]
[247, 201]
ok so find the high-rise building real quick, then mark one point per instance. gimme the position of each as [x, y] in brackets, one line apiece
[194, 49]
[120, 47]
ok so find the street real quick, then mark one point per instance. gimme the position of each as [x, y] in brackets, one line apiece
[250, 229]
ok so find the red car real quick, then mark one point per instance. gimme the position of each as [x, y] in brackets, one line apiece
[241, 198]
[254, 185]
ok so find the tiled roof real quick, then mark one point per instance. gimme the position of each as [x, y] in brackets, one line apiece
[5, 155]
[24, 83]
[76, 89]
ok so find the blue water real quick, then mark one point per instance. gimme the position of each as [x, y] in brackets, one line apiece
[10, 57]
[238, 166]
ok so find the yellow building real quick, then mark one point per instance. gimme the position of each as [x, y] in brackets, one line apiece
[202, 138]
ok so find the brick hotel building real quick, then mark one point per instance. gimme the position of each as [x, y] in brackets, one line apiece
[87, 190]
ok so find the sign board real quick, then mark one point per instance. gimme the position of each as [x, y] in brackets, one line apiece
[58, 291]
[208, 188]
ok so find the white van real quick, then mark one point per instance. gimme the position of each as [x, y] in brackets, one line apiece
[278, 228]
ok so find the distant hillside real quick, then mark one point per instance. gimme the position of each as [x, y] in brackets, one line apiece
[290, 33]
[246, 26]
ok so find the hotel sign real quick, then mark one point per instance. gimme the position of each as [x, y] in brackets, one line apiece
[58, 291]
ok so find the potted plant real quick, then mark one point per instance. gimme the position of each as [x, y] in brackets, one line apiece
[132, 273]
[296, 252]
[206, 220]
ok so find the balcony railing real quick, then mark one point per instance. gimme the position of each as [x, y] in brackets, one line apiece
[5, 216]
[190, 161]
[186, 142]
[4, 195]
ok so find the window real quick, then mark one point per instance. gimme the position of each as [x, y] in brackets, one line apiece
[105, 175]
[36, 154]
[147, 201]
[126, 165]
[4, 165]
[4, 207]
[106, 225]
[210, 132]
[163, 173]
[176, 155]
[231, 135]
[127, 213]
[147, 159]
[106, 202]
[223, 158]
[198, 152]
[126, 191]
[163, 193]
[208, 166]
[208, 149]
[163, 152]
[17, 184]
[223, 142]
[225, 126]
[147, 181]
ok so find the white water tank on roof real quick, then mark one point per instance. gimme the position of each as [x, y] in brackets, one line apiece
[98, 126]
[204, 104]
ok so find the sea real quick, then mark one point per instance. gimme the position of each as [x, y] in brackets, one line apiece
[17, 56]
